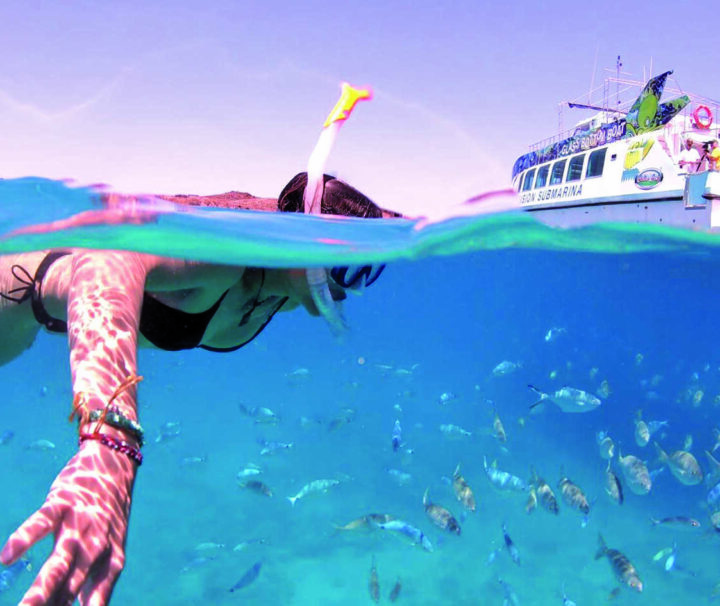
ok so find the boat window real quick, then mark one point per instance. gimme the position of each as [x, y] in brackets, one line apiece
[542, 176]
[575, 168]
[596, 161]
[557, 172]
[527, 183]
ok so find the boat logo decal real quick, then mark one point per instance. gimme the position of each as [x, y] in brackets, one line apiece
[649, 178]
[636, 152]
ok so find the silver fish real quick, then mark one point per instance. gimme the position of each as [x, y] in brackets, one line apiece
[313, 487]
[568, 399]
[510, 598]
[415, 534]
[505, 368]
[396, 436]
[42, 444]
[451, 430]
[502, 479]
[512, 549]
[636, 474]
[271, 447]
[683, 465]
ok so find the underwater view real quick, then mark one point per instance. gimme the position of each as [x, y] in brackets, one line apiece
[511, 426]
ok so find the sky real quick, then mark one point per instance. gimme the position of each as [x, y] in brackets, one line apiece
[206, 97]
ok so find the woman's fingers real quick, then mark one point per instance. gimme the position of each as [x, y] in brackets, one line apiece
[35, 528]
[50, 585]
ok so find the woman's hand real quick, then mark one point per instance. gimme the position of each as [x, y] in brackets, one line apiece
[87, 510]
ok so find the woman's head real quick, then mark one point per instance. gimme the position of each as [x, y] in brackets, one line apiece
[339, 198]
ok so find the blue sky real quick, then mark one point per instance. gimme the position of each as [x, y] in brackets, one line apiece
[204, 97]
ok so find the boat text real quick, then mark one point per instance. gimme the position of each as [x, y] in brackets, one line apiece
[555, 193]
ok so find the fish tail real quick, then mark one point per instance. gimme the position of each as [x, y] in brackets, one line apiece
[662, 455]
[457, 471]
[602, 549]
[425, 496]
[292, 500]
[654, 522]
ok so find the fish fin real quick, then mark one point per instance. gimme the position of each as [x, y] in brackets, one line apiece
[456, 473]
[654, 522]
[662, 455]
[425, 497]
[602, 548]
[535, 404]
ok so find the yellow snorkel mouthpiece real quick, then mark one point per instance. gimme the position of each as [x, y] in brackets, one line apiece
[312, 198]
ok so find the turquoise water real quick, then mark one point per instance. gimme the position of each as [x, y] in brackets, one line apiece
[438, 325]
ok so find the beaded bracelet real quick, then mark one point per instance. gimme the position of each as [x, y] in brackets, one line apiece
[116, 419]
[118, 445]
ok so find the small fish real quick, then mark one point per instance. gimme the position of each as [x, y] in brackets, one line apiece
[604, 390]
[243, 545]
[188, 461]
[9, 574]
[510, 598]
[371, 520]
[566, 600]
[636, 474]
[346, 416]
[269, 448]
[510, 546]
[463, 492]
[395, 591]
[531, 504]
[573, 495]
[446, 397]
[249, 471]
[688, 442]
[568, 399]
[251, 574]
[553, 333]
[655, 426]
[642, 432]
[6, 436]
[42, 445]
[676, 523]
[209, 546]
[298, 375]
[498, 429]
[683, 466]
[396, 436]
[374, 583]
[613, 487]
[257, 487]
[400, 477]
[451, 430]
[440, 516]
[415, 534]
[624, 571]
[712, 499]
[605, 445]
[502, 479]
[545, 494]
[505, 368]
[261, 414]
[168, 431]
[639, 359]
[313, 487]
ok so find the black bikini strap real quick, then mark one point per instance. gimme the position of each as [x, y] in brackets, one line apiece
[38, 309]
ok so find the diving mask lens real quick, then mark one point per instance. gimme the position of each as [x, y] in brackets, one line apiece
[356, 276]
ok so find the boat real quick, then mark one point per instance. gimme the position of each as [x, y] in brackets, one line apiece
[622, 163]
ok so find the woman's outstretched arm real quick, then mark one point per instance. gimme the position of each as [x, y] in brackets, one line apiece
[88, 505]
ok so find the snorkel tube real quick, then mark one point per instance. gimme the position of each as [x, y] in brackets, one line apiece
[312, 198]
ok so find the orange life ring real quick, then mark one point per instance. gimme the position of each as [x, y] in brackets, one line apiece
[703, 117]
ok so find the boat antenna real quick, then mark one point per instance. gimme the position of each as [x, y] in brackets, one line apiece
[618, 67]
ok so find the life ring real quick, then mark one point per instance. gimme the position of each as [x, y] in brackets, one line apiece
[703, 117]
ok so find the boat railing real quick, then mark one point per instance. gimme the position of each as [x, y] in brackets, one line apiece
[605, 100]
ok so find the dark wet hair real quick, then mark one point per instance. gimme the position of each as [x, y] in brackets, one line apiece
[339, 198]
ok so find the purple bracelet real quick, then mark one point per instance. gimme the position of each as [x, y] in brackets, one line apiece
[119, 445]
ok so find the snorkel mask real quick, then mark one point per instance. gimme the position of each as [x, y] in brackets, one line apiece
[317, 277]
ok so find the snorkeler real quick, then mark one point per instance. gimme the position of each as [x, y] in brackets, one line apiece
[109, 303]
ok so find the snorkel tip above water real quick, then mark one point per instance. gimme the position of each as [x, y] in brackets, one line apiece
[317, 277]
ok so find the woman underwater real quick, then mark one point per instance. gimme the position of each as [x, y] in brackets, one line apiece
[109, 303]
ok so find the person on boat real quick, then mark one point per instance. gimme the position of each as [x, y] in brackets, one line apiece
[109, 303]
[689, 158]
[714, 155]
